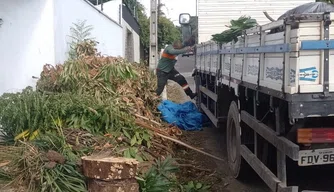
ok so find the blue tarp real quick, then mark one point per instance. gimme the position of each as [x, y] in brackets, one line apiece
[185, 115]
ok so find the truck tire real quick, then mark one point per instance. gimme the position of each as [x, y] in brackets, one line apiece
[233, 138]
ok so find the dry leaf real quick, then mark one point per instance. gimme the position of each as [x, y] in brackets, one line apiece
[3, 164]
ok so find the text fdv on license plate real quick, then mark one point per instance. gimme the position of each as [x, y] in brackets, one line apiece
[316, 157]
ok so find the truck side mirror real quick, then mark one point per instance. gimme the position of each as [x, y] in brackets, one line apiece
[188, 24]
[184, 18]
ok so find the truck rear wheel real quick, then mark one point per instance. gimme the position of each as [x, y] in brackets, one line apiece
[233, 138]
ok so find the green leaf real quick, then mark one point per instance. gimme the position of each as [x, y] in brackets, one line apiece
[139, 142]
[139, 158]
[126, 134]
[206, 187]
[127, 154]
[140, 179]
[199, 185]
[146, 136]
[148, 144]
[133, 141]
[133, 151]
[137, 135]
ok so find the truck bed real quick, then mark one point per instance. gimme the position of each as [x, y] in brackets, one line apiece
[295, 57]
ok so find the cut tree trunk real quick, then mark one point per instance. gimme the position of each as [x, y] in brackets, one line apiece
[110, 174]
[109, 168]
[126, 185]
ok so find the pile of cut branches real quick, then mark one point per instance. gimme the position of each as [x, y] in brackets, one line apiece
[91, 104]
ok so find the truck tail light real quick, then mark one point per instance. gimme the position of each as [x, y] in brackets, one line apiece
[315, 135]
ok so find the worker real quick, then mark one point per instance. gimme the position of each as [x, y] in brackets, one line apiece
[166, 68]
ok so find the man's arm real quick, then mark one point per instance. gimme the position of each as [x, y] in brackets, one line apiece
[173, 51]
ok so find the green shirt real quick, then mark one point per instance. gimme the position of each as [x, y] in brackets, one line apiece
[165, 64]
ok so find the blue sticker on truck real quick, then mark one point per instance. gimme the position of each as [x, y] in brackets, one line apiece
[308, 74]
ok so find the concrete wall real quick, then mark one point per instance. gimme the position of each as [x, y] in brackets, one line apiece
[26, 41]
[106, 31]
[131, 39]
[35, 32]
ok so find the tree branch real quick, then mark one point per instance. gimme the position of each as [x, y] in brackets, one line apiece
[163, 135]
[268, 16]
[189, 146]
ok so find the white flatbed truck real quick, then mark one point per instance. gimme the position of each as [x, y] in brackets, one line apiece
[274, 95]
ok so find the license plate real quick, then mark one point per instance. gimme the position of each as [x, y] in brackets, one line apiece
[316, 157]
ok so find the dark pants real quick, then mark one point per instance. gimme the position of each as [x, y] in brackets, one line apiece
[173, 75]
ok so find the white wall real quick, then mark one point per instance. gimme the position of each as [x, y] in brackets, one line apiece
[113, 9]
[136, 41]
[26, 41]
[214, 15]
[35, 32]
[107, 32]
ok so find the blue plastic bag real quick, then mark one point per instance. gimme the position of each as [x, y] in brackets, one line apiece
[185, 115]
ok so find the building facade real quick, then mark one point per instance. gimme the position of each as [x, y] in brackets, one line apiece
[37, 32]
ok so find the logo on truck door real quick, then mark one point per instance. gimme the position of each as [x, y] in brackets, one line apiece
[308, 74]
